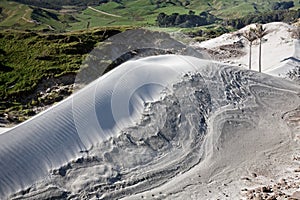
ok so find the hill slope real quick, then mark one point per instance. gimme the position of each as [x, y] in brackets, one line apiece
[32, 63]
[74, 15]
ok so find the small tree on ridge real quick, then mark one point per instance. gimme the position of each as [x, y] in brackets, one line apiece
[260, 32]
[251, 37]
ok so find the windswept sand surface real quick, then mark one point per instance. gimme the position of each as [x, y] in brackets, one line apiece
[183, 128]
[280, 52]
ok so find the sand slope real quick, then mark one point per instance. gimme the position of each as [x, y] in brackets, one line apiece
[165, 127]
[280, 52]
[29, 151]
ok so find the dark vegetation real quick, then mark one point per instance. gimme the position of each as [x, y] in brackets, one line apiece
[58, 4]
[273, 16]
[211, 31]
[280, 11]
[205, 18]
[283, 5]
[294, 74]
[185, 20]
[287, 16]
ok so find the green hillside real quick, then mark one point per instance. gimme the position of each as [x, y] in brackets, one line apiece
[31, 62]
[66, 15]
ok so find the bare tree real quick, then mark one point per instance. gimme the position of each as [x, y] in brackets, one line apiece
[295, 32]
[260, 32]
[294, 74]
[251, 37]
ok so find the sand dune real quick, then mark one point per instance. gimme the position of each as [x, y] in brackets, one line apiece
[278, 49]
[164, 127]
[95, 114]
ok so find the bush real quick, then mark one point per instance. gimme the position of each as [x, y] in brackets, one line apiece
[185, 20]
[294, 74]
[283, 5]
[273, 16]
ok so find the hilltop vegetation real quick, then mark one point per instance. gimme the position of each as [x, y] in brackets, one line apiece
[267, 17]
[32, 62]
[59, 4]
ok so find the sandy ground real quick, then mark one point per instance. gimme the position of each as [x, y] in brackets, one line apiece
[278, 49]
[2, 130]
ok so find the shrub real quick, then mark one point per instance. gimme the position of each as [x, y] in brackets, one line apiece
[294, 74]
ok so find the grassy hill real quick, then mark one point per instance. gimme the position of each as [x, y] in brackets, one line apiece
[31, 62]
[21, 17]
[52, 15]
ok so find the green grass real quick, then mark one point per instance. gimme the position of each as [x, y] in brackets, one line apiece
[236, 11]
[95, 19]
[13, 15]
[22, 17]
[133, 13]
[111, 6]
[28, 57]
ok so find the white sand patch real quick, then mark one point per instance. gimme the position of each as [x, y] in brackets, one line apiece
[277, 49]
[3, 130]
